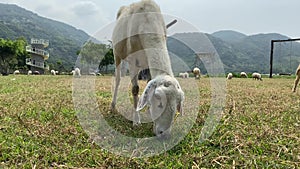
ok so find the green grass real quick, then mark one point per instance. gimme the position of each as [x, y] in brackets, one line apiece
[260, 127]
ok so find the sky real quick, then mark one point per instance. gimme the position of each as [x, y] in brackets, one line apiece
[245, 16]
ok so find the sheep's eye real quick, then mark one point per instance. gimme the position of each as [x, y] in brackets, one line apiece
[167, 84]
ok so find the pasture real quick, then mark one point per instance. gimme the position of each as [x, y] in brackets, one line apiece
[259, 128]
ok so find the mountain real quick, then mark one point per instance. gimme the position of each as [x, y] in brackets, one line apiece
[65, 40]
[239, 52]
[229, 36]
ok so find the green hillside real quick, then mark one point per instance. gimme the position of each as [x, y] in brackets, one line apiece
[65, 40]
[237, 51]
[241, 53]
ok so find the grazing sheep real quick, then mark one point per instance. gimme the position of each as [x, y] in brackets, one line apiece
[133, 42]
[256, 76]
[53, 72]
[76, 72]
[297, 78]
[197, 73]
[16, 72]
[184, 75]
[92, 73]
[244, 75]
[29, 72]
[229, 76]
[36, 72]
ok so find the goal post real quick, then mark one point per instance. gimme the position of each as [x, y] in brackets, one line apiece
[272, 51]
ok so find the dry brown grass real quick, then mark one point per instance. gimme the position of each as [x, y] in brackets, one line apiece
[260, 127]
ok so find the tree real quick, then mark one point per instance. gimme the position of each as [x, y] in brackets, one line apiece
[21, 52]
[11, 54]
[91, 54]
[107, 60]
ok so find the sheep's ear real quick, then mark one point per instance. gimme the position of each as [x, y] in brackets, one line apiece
[147, 95]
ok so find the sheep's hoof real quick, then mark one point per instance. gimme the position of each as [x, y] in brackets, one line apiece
[136, 119]
[113, 106]
[136, 123]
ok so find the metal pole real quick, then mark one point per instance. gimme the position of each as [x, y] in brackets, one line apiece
[271, 54]
[171, 23]
[271, 59]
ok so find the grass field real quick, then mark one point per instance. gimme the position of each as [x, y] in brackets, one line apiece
[260, 127]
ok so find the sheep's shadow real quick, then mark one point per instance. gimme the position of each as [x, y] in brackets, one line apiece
[121, 124]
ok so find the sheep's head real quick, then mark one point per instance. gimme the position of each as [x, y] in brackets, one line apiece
[164, 97]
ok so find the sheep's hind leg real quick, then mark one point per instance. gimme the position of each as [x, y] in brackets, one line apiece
[117, 83]
[135, 92]
[296, 83]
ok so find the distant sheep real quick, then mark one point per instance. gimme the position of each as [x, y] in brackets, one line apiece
[184, 75]
[229, 76]
[36, 72]
[256, 76]
[297, 78]
[29, 72]
[92, 73]
[197, 73]
[53, 72]
[244, 75]
[76, 72]
[16, 72]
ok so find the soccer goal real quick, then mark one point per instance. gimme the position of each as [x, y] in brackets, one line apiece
[284, 56]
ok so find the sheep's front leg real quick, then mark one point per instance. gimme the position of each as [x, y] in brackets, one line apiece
[135, 92]
[296, 83]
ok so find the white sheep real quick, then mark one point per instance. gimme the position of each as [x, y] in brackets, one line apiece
[92, 73]
[197, 73]
[53, 72]
[229, 76]
[36, 72]
[76, 72]
[16, 72]
[184, 75]
[256, 76]
[297, 78]
[29, 72]
[244, 75]
[139, 37]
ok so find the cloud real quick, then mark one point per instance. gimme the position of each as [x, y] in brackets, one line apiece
[241, 15]
[85, 8]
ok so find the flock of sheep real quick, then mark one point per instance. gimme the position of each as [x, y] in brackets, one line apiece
[197, 73]
[75, 72]
[141, 40]
[163, 96]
